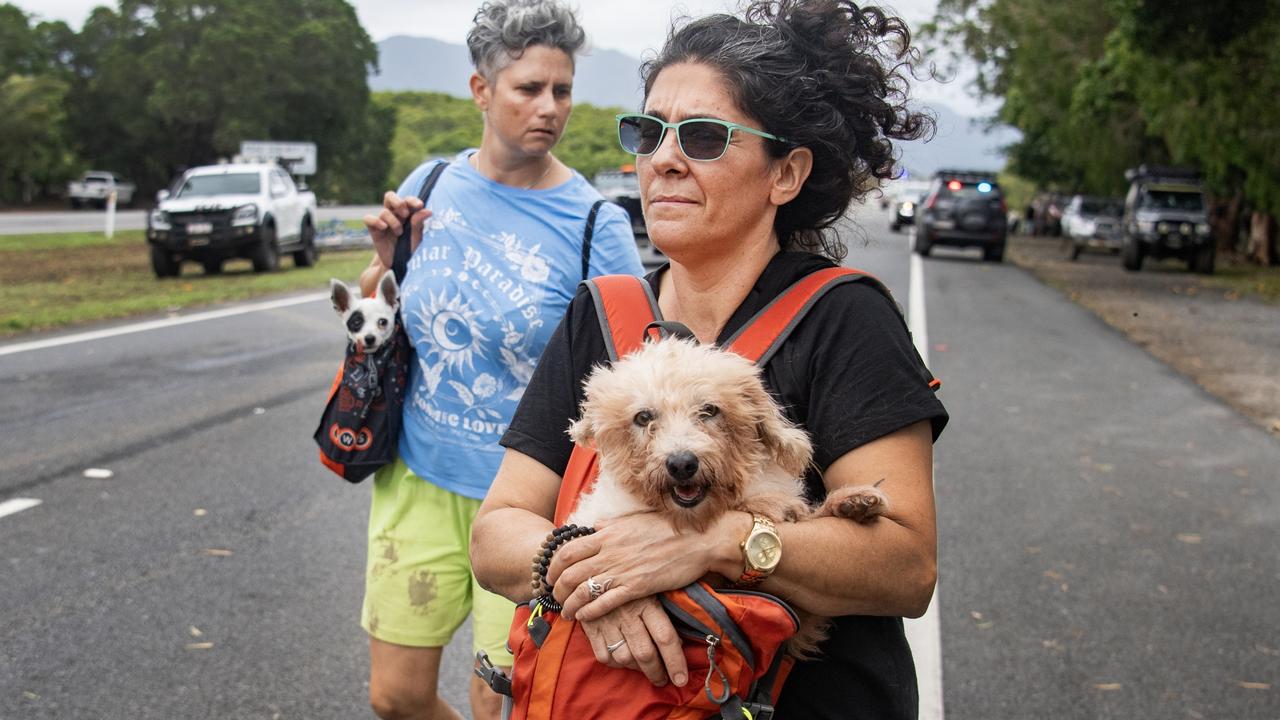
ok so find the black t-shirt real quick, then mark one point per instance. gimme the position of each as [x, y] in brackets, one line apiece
[848, 374]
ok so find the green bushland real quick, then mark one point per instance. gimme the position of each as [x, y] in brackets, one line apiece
[52, 281]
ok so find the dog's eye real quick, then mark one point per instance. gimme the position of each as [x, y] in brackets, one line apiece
[382, 322]
[708, 411]
[643, 418]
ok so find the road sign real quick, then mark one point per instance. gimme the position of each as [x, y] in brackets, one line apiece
[299, 157]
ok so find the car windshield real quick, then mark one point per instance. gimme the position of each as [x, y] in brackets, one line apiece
[1173, 200]
[1099, 207]
[90, 179]
[230, 184]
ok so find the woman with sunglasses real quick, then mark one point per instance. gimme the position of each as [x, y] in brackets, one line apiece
[757, 133]
[492, 273]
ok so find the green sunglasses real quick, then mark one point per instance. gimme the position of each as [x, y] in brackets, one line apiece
[699, 138]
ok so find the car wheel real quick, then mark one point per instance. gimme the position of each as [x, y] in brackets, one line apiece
[266, 255]
[307, 256]
[212, 266]
[1074, 250]
[994, 253]
[164, 264]
[75, 204]
[1131, 255]
[1202, 262]
[922, 245]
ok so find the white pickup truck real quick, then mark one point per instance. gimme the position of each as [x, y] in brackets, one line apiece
[242, 210]
[95, 186]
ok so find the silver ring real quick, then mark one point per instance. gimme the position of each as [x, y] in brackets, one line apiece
[614, 646]
[597, 589]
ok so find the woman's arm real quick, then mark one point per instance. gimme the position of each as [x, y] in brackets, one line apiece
[511, 524]
[830, 566]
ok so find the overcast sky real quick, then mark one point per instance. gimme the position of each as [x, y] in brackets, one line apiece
[632, 26]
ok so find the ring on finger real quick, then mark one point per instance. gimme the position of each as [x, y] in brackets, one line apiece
[596, 589]
[612, 647]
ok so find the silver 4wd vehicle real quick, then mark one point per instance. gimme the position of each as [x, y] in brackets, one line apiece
[219, 212]
[95, 186]
[1164, 217]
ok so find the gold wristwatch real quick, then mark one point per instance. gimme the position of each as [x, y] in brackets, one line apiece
[761, 551]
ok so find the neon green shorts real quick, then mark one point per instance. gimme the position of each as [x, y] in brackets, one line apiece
[418, 585]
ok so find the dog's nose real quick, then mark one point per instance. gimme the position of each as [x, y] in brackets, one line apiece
[682, 465]
[369, 340]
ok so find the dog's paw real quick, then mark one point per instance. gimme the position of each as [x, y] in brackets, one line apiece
[861, 504]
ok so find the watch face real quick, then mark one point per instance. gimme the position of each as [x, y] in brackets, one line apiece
[764, 551]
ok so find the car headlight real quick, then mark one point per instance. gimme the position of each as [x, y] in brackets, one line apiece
[1146, 226]
[245, 215]
[159, 220]
[1203, 228]
[1163, 228]
[907, 210]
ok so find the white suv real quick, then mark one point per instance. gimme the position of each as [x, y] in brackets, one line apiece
[219, 212]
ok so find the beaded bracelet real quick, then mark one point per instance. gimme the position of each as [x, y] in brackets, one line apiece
[541, 561]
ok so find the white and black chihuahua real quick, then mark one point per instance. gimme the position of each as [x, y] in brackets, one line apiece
[370, 321]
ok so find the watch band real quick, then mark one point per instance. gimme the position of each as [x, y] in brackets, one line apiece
[752, 575]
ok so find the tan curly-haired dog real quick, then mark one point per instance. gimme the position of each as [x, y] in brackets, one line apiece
[689, 431]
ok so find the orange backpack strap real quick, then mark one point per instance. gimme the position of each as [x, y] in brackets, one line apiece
[765, 332]
[625, 306]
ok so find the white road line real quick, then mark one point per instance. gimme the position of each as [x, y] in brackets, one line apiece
[17, 505]
[158, 324]
[924, 634]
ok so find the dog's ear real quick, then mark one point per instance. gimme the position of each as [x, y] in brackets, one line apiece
[341, 296]
[389, 289]
[582, 431]
[787, 444]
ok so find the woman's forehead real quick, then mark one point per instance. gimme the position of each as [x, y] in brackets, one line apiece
[688, 90]
[539, 62]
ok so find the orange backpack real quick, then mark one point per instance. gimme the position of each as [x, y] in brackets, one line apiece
[733, 637]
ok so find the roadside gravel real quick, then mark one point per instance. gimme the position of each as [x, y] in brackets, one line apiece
[1228, 344]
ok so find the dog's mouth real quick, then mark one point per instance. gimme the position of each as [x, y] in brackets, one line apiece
[688, 495]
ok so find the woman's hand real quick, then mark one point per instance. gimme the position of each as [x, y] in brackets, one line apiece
[649, 642]
[639, 556]
[386, 226]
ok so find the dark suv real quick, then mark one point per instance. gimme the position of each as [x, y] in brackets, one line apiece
[965, 209]
[1164, 216]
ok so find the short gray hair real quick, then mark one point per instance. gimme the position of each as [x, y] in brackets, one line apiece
[503, 29]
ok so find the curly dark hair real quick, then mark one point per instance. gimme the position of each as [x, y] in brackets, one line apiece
[823, 74]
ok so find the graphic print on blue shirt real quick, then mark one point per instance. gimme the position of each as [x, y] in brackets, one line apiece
[480, 300]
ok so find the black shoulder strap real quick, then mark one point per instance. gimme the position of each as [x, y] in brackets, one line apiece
[400, 262]
[586, 237]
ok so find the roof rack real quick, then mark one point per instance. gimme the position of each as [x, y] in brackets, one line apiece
[1162, 172]
[974, 175]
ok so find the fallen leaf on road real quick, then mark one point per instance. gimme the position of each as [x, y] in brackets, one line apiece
[1163, 589]
[30, 695]
[1104, 467]
[98, 473]
[217, 552]
[1190, 538]
[1253, 685]
[975, 615]
[1241, 472]
[985, 625]
[1032, 550]
[1053, 574]
[200, 646]
[195, 631]
[200, 512]
[1107, 686]
[259, 411]
[1266, 650]
[1063, 587]
[1112, 489]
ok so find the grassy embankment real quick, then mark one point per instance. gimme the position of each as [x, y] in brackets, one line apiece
[57, 280]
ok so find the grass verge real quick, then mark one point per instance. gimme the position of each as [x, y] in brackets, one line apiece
[59, 280]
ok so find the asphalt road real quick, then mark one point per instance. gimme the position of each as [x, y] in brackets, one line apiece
[23, 222]
[1108, 531]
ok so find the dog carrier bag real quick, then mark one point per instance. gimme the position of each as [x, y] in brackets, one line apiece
[733, 638]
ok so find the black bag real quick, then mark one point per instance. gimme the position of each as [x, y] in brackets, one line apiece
[359, 429]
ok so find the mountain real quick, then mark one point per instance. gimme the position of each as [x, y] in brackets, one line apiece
[608, 78]
[604, 78]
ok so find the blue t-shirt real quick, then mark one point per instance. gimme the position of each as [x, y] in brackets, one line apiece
[496, 270]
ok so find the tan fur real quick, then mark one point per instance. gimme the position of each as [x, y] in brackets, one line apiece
[749, 456]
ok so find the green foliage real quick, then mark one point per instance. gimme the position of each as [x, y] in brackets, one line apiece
[1098, 86]
[33, 152]
[435, 124]
[161, 85]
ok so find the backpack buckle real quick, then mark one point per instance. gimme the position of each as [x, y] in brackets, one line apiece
[492, 676]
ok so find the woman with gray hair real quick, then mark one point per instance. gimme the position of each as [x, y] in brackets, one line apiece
[505, 234]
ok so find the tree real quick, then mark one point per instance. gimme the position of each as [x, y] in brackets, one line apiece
[164, 84]
[33, 155]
